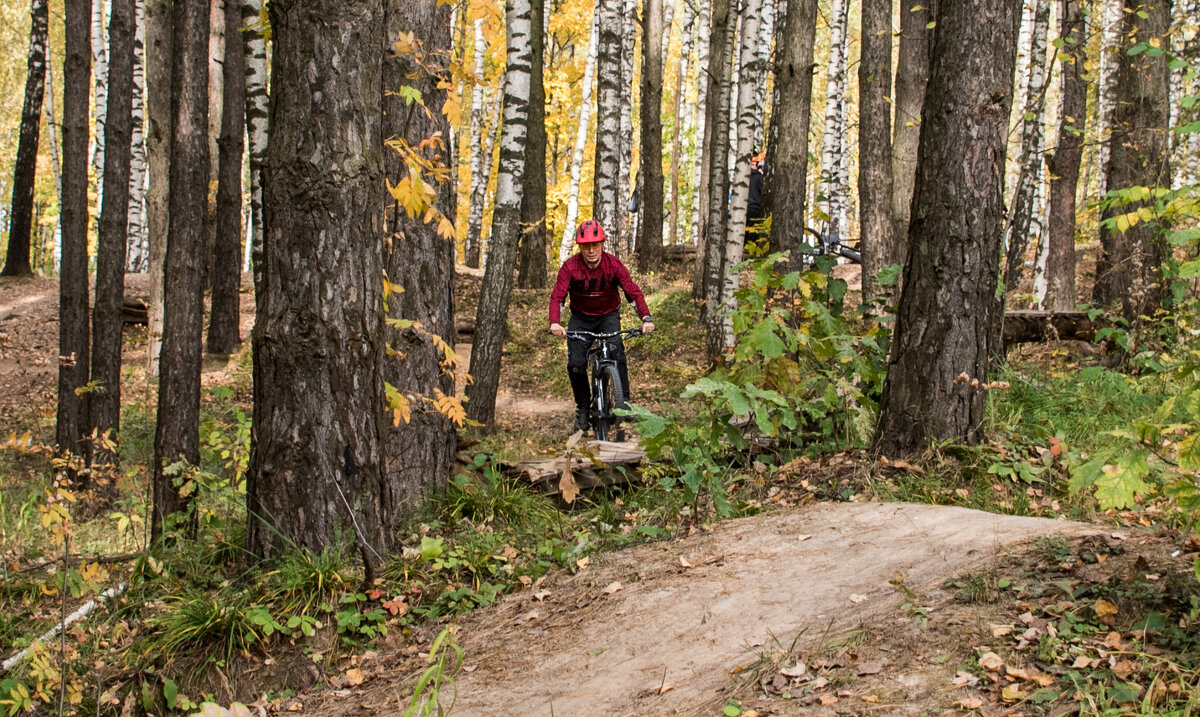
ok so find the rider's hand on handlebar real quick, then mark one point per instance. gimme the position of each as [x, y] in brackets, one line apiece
[647, 327]
[558, 330]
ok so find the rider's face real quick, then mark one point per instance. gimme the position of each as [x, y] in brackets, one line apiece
[591, 253]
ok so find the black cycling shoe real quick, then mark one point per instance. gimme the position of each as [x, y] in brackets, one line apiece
[582, 423]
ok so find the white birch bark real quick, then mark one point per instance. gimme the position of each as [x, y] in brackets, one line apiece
[703, 30]
[100, 88]
[1110, 46]
[257, 123]
[833, 182]
[765, 38]
[55, 158]
[748, 120]
[581, 135]
[607, 193]
[138, 261]
[629, 28]
[471, 250]
[1182, 39]
[683, 117]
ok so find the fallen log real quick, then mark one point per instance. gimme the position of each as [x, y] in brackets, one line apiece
[1031, 326]
[594, 464]
[135, 310]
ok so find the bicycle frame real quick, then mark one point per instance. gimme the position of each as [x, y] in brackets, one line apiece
[830, 245]
[601, 355]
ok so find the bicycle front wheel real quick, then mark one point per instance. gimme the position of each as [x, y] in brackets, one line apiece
[610, 394]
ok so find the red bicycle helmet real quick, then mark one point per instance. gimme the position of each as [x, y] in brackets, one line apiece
[589, 232]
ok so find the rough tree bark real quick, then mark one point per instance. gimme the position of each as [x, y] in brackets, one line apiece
[317, 461]
[912, 74]
[73, 332]
[159, 62]
[20, 224]
[717, 118]
[223, 329]
[626, 138]
[108, 319]
[257, 121]
[1128, 270]
[650, 204]
[581, 134]
[491, 317]
[1064, 161]
[531, 267]
[785, 178]
[834, 183]
[945, 328]
[419, 453]
[137, 259]
[177, 435]
[877, 226]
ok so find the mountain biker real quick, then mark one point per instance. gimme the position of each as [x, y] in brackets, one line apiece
[591, 278]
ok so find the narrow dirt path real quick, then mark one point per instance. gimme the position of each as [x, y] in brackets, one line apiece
[607, 640]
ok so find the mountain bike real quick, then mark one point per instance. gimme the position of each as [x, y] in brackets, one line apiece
[828, 244]
[608, 392]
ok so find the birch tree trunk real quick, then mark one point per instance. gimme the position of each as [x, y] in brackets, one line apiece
[257, 124]
[650, 205]
[877, 227]
[721, 41]
[55, 159]
[701, 141]
[1029, 165]
[491, 317]
[682, 119]
[73, 330]
[1111, 23]
[479, 178]
[20, 225]
[581, 135]
[107, 316]
[138, 259]
[531, 265]
[785, 179]
[765, 38]
[748, 120]
[100, 77]
[607, 192]
[912, 74]
[945, 328]
[159, 62]
[834, 184]
[625, 180]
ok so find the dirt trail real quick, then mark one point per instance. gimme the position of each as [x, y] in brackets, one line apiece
[591, 649]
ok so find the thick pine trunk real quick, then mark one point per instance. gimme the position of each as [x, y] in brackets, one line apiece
[257, 121]
[581, 135]
[1129, 268]
[159, 62]
[137, 259]
[531, 268]
[73, 330]
[719, 91]
[223, 329]
[650, 204]
[608, 190]
[877, 226]
[912, 75]
[177, 436]
[20, 224]
[419, 453]
[317, 462]
[785, 178]
[945, 329]
[108, 314]
[834, 183]
[479, 150]
[492, 315]
[1064, 161]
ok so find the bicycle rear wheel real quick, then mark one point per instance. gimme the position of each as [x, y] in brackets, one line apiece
[609, 394]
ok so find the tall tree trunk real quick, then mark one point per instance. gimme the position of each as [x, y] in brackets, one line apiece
[479, 177]
[1064, 161]
[257, 123]
[531, 269]
[73, 330]
[765, 46]
[52, 125]
[138, 255]
[748, 120]
[625, 179]
[419, 452]
[1128, 270]
[834, 184]
[1029, 167]
[785, 179]
[717, 117]
[944, 329]
[877, 226]
[107, 315]
[608, 190]
[100, 77]
[650, 204]
[20, 225]
[317, 460]
[703, 138]
[912, 74]
[1111, 24]
[581, 135]
[491, 317]
[159, 115]
[682, 114]
[223, 329]
[177, 437]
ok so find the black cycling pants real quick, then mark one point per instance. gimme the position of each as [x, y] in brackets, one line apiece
[577, 360]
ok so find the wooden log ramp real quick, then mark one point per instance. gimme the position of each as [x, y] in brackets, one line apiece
[583, 465]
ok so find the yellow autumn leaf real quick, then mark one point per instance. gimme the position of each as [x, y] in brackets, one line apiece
[354, 677]
[1104, 607]
[450, 407]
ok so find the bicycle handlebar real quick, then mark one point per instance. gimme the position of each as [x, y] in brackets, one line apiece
[585, 335]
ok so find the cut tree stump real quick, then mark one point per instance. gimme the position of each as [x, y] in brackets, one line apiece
[594, 464]
[1031, 326]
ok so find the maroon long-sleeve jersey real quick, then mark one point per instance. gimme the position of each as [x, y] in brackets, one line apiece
[594, 291]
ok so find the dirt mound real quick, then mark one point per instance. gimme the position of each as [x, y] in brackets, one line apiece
[658, 629]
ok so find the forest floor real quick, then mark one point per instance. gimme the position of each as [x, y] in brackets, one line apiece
[812, 606]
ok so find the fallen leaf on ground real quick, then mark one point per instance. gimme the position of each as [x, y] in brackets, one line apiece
[870, 698]
[870, 668]
[664, 689]
[1001, 630]
[827, 700]
[525, 580]
[969, 703]
[964, 678]
[856, 598]
[796, 670]
[531, 615]
[1104, 607]
[541, 595]
[567, 485]
[1081, 662]
[1020, 673]
[1123, 668]
[1113, 640]
[354, 677]
[1012, 693]
[613, 587]
[818, 683]
[582, 563]
[802, 537]
[684, 563]
[990, 661]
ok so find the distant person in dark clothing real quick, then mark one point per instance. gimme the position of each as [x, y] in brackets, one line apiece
[754, 210]
[594, 280]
